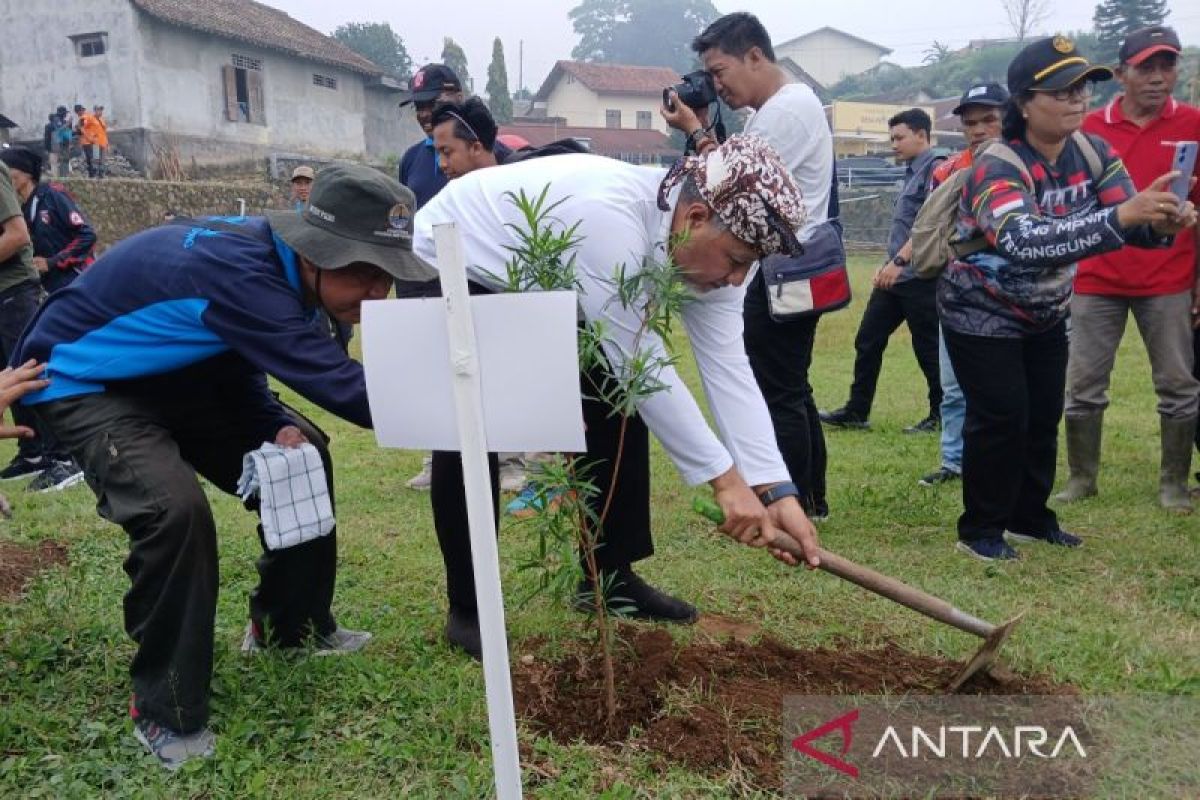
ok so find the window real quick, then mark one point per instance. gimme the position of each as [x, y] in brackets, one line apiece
[612, 118]
[247, 62]
[643, 120]
[89, 45]
[244, 90]
[324, 80]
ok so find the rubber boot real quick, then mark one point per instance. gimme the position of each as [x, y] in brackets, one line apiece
[1083, 457]
[1178, 436]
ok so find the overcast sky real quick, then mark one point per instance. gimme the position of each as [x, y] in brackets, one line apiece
[908, 28]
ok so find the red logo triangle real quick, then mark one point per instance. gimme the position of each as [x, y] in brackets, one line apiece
[845, 724]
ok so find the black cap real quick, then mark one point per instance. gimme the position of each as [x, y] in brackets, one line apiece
[429, 82]
[1051, 64]
[1145, 42]
[23, 159]
[355, 214]
[982, 94]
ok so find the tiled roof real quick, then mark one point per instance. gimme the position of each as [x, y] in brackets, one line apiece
[255, 23]
[611, 78]
[602, 141]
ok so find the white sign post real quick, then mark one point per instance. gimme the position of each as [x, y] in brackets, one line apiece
[485, 558]
[530, 404]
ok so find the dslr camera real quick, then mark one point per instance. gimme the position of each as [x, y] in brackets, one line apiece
[697, 90]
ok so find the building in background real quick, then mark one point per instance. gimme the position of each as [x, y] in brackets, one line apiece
[827, 55]
[207, 82]
[604, 95]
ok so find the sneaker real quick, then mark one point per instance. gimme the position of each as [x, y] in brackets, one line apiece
[631, 597]
[172, 748]
[340, 642]
[942, 475]
[57, 477]
[21, 467]
[531, 500]
[931, 424]
[1058, 537]
[462, 631]
[423, 479]
[988, 550]
[844, 418]
[512, 476]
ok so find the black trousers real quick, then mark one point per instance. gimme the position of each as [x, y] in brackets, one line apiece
[1014, 391]
[626, 536]
[780, 355]
[914, 303]
[18, 305]
[141, 447]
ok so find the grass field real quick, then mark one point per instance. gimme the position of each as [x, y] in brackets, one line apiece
[407, 718]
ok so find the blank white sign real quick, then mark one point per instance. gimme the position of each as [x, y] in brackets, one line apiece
[529, 371]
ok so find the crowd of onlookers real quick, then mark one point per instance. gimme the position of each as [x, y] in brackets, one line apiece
[84, 132]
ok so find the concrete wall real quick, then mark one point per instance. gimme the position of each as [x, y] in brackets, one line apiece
[185, 94]
[829, 56]
[40, 71]
[390, 130]
[118, 208]
[581, 106]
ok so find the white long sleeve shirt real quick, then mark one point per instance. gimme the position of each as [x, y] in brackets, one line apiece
[620, 223]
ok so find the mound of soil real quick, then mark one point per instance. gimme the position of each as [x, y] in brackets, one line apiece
[20, 562]
[716, 705]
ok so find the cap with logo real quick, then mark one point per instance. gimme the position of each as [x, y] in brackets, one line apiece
[982, 94]
[355, 214]
[1143, 43]
[1048, 65]
[303, 171]
[428, 84]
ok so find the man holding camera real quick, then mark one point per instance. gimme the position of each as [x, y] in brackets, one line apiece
[737, 54]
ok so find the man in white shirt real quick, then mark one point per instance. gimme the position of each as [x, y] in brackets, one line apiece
[737, 53]
[734, 205]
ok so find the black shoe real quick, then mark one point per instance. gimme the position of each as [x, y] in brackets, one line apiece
[1058, 537]
[58, 476]
[844, 418]
[462, 631]
[21, 467]
[943, 475]
[931, 424]
[630, 596]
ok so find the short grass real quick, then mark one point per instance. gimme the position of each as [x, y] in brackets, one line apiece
[407, 718]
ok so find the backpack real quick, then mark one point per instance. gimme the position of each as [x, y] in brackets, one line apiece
[934, 228]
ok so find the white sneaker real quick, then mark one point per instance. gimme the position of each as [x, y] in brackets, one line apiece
[423, 479]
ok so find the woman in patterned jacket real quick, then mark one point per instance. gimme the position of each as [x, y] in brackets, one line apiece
[1003, 307]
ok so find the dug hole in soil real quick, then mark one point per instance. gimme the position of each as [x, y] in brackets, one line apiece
[19, 563]
[715, 704]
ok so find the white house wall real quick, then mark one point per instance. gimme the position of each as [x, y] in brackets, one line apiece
[582, 107]
[40, 71]
[185, 93]
[829, 56]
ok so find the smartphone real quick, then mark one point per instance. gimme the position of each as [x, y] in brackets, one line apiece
[670, 104]
[1184, 162]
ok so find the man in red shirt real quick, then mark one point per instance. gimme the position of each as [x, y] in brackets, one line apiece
[1160, 286]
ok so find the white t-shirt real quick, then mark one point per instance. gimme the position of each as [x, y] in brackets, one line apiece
[793, 122]
[620, 223]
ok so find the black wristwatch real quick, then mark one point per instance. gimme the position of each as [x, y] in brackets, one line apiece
[778, 492]
[900, 261]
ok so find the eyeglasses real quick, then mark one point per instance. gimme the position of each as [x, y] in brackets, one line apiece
[1080, 91]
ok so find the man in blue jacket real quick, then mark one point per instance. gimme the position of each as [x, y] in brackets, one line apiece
[158, 359]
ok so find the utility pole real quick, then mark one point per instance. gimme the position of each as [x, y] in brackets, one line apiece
[520, 64]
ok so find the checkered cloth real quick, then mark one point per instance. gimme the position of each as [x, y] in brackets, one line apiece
[294, 498]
